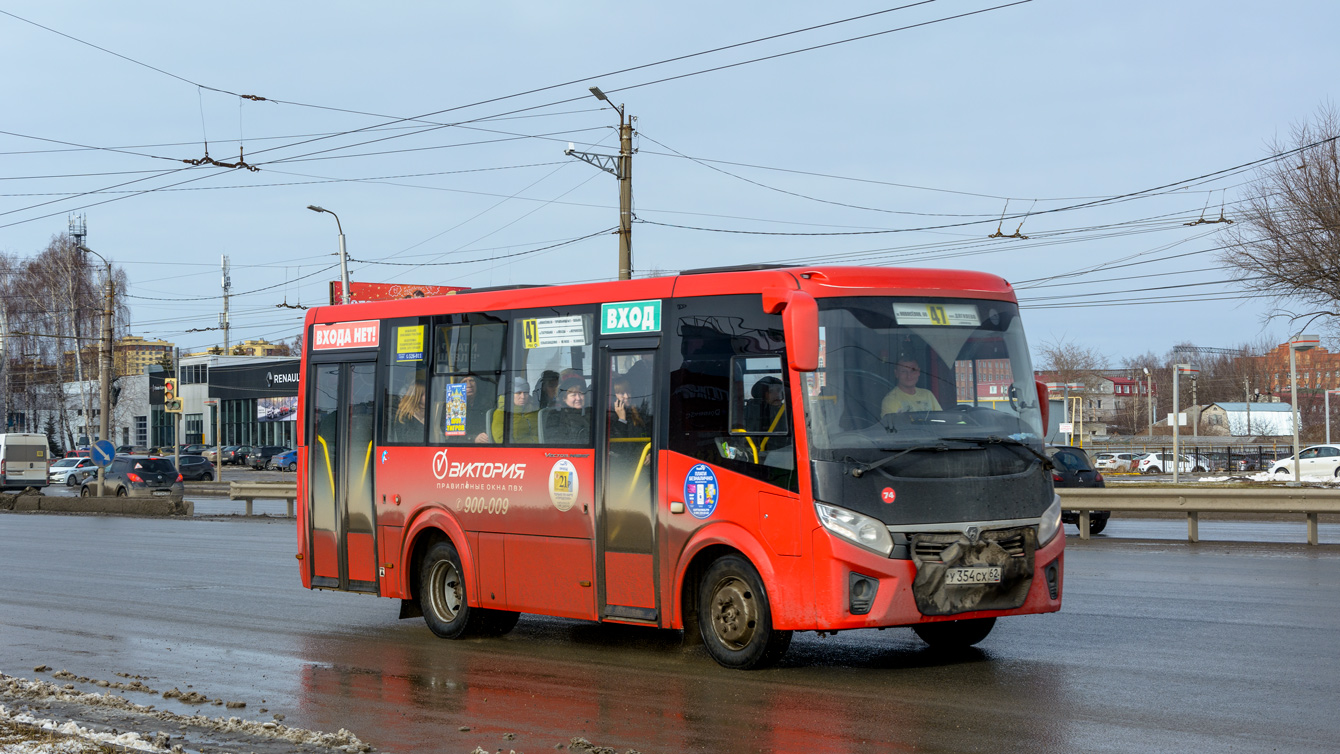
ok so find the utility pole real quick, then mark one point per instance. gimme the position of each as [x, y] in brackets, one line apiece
[176, 416]
[1195, 427]
[223, 318]
[105, 362]
[4, 369]
[621, 167]
[1247, 390]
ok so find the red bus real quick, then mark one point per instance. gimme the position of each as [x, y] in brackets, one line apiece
[737, 452]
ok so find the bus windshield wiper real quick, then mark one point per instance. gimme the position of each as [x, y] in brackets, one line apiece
[1008, 442]
[860, 470]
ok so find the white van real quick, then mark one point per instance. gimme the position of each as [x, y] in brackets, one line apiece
[23, 460]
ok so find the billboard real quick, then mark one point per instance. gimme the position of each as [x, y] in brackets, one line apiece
[361, 292]
[277, 409]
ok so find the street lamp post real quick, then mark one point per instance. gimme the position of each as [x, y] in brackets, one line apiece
[344, 257]
[621, 168]
[1178, 371]
[1149, 401]
[1299, 343]
[1328, 415]
[105, 361]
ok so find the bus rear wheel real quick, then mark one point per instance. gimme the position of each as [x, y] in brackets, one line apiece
[955, 634]
[735, 618]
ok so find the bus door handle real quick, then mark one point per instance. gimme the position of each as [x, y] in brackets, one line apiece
[676, 506]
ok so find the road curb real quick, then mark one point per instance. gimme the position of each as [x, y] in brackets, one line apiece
[125, 506]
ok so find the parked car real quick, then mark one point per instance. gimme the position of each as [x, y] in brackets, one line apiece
[71, 472]
[1160, 463]
[1072, 468]
[238, 455]
[286, 461]
[1318, 460]
[80, 452]
[259, 457]
[1116, 462]
[137, 476]
[195, 468]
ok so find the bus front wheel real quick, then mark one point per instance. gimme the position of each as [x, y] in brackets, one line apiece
[735, 618]
[955, 634]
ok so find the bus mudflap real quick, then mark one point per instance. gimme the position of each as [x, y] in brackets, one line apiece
[944, 587]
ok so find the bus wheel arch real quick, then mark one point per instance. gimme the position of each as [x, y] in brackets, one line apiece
[725, 606]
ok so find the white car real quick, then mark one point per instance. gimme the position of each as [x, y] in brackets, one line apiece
[1318, 460]
[1162, 463]
[1116, 461]
[71, 471]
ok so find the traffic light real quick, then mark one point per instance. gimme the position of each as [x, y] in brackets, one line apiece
[171, 403]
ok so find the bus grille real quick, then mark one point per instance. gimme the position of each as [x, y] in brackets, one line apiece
[1011, 541]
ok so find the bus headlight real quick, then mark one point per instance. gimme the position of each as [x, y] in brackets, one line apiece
[1051, 521]
[856, 528]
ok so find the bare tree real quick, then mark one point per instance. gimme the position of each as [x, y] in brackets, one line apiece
[1072, 362]
[1287, 238]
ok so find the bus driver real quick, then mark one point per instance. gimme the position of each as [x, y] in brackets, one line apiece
[907, 396]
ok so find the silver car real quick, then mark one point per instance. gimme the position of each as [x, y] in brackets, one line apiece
[71, 471]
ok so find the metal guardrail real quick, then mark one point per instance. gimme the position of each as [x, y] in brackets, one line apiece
[251, 491]
[1308, 501]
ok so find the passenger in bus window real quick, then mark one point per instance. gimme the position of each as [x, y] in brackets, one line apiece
[525, 415]
[569, 423]
[409, 414]
[546, 389]
[624, 418]
[907, 396]
[476, 411]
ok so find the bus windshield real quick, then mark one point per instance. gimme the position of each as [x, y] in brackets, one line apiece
[898, 373]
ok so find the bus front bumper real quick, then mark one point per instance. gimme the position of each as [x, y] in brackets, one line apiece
[857, 588]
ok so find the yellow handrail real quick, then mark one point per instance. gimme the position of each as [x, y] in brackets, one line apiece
[638, 474]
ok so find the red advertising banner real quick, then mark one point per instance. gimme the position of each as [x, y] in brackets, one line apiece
[361, 292]
[346, 335]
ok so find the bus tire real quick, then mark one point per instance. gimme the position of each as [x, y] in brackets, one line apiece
[443, 596]
[735, 619]
[955, 634]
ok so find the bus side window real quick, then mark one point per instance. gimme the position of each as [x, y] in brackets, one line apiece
[404, 397]
[467, 368]
[728, 399]
[553, 357]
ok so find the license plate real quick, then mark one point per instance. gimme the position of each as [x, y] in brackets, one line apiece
[165, 493]
[970, 576]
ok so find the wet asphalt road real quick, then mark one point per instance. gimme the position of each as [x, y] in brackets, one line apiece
[1161, 646]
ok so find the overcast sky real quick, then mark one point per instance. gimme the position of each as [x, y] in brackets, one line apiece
[1046, 104]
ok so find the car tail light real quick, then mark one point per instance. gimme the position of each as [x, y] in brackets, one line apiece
[1100, 476]
[2, 468]
[1056, 476]
[179, 477]
[132, 476]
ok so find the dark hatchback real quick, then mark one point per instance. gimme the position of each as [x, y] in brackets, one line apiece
[137, 476]
[1074, 469]
[195, 468]
[259, 457]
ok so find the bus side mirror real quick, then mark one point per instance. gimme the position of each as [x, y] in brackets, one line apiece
[1044, 406]
[800, 321]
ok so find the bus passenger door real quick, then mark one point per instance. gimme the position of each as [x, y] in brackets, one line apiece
[339, 456]
[626, 502]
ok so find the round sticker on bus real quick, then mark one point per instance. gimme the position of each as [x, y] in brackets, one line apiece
[700, 491]
[888, 495]
[563, 484]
